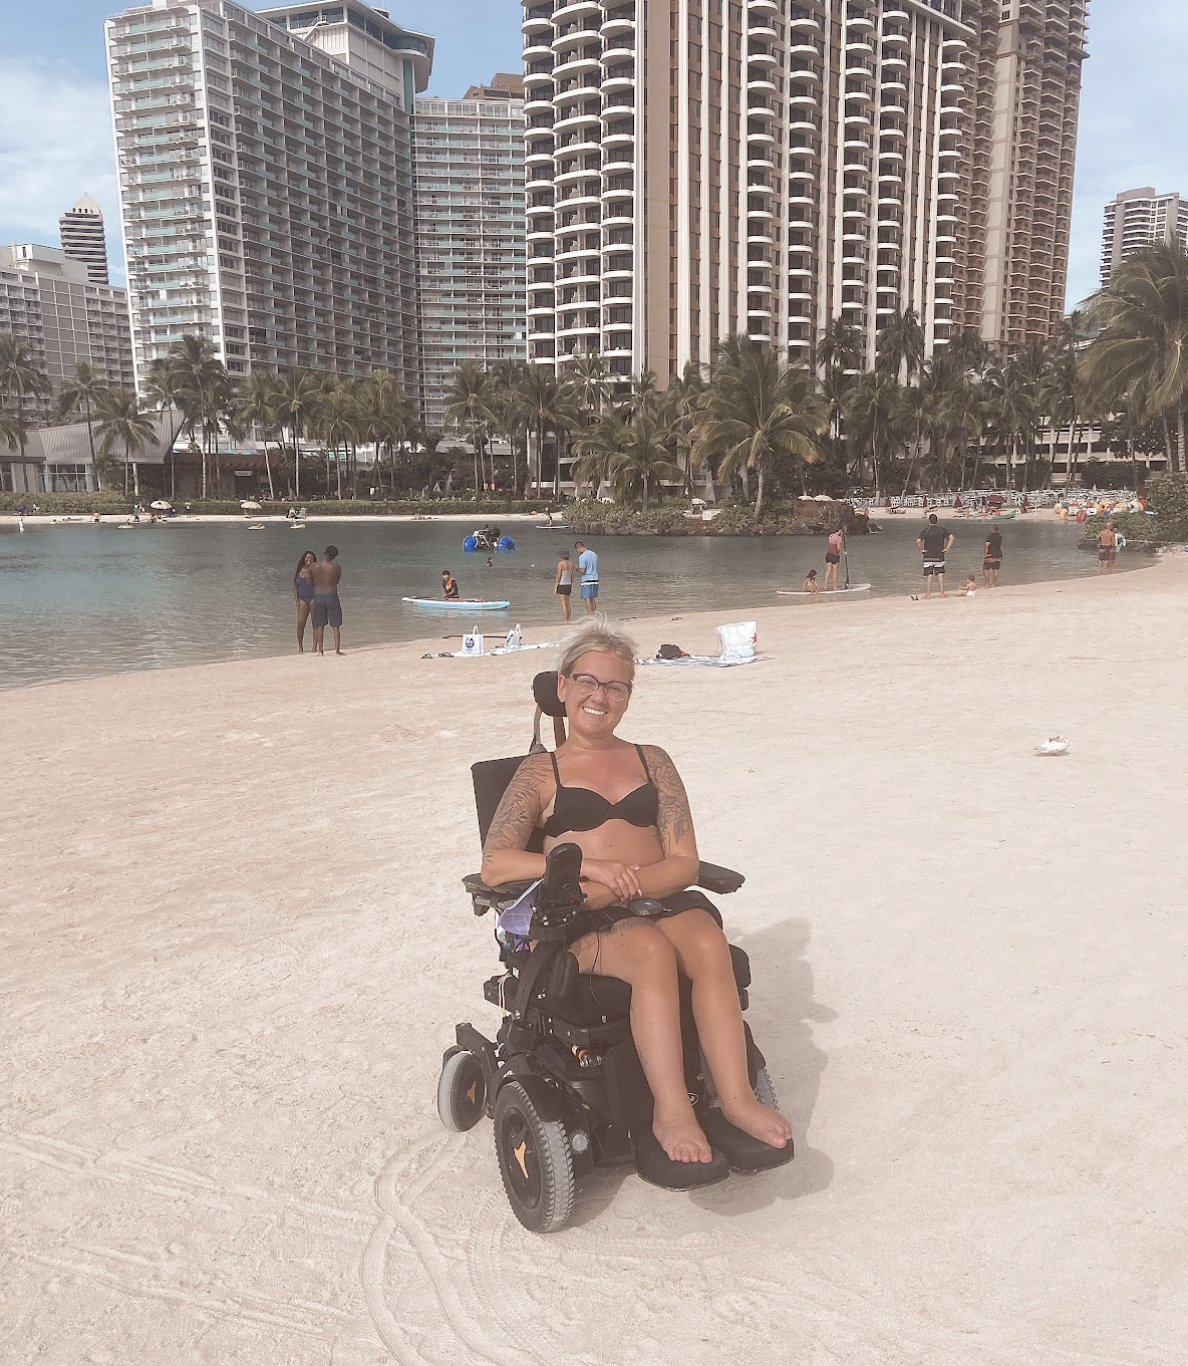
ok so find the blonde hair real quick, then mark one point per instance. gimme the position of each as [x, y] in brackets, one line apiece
[596, 634]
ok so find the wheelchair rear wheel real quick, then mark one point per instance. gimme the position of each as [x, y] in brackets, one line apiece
[534, 1160]
[461, 1091]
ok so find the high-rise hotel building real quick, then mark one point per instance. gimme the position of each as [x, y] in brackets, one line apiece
[1138, 219]
[470, 231]
[84, 239]
[701, 168]
[266, 182]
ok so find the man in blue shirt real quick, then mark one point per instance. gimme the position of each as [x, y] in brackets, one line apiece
[588, 564]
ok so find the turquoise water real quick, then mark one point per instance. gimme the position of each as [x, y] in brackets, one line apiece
[80, 600]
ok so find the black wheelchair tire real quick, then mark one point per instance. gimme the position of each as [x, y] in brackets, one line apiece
[461, 1091]
[535, 1161]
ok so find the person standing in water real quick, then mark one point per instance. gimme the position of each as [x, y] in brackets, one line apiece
[1107, 549]
[833, 554]
[587, 562]
[303, 594]
[327, 609]
[564, 583]
[934, 543]
[992, 557]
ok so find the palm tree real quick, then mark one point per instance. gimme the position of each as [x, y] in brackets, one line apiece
[386, 416]
[297, 395]
[759, 414]
[336, 421]
[14, 430]
[543, 401]
[255, 406]
[901, 346]
[80, 391]
[507, 404]
[20, 380]
[468, 404]
[165, 391]
[200, 377]
[122, 421]
[589, 380]
[681, 404]
[634, 454]
[875, 413]
[1143, 316]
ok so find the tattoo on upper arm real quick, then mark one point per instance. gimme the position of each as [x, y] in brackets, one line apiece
[518, 811]
[675, 820]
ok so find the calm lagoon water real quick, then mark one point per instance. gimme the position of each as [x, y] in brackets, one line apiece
[79, 600]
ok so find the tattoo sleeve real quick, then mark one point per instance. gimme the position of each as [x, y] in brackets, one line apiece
[675, 820]
[518, 811]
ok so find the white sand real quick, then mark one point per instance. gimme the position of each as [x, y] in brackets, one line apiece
[235, 947]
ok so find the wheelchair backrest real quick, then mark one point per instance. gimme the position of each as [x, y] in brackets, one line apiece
[492, 776]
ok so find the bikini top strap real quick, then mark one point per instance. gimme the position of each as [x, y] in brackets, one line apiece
[556, 771]
[642, 760]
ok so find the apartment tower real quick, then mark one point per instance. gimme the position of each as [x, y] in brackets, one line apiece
[83, 238]
[1137, 219]
[266, 183]
[470, 233]
[1022, 96]
[700, 168]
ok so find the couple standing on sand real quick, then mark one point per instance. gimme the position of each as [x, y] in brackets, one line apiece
[315, 590]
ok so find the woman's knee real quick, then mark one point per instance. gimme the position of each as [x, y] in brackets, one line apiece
[645, 951]
[700, 943]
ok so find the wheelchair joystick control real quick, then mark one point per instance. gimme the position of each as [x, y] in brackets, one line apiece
[559, 896]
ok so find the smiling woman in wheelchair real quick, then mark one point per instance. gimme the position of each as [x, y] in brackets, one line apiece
[625, 806]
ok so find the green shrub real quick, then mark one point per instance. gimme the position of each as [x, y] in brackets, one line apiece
[67, 504]
[1169, 500]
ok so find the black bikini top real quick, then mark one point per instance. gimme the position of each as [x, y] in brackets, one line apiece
[579, 808]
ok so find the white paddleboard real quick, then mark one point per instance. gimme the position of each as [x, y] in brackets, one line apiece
[460, 604]
[855, 590]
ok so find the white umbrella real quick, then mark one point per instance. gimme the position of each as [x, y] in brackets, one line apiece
[806, 497]
[249, 506]
[823, 498]
[161, 506]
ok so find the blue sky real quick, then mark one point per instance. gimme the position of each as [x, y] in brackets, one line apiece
[55, 139]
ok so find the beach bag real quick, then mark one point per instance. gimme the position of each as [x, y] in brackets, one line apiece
[472, 643]
[514, 639]
[738, 640]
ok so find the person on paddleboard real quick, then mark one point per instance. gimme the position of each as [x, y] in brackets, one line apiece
[449, 585]
[836, 549]
[810, 584]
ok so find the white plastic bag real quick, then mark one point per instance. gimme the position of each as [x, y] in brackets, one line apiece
[738, 640]
[515, 638]
[472, 644]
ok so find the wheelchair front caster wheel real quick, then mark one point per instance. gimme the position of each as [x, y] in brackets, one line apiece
[461, 1092]
[534, 1160]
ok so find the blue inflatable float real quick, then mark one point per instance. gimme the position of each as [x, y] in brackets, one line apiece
[472, 545]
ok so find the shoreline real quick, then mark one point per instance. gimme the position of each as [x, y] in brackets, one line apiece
[867, 608]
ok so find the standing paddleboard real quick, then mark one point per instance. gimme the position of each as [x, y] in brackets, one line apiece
[454, 604]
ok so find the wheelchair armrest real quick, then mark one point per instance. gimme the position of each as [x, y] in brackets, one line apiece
[715, 878]
[484, 898]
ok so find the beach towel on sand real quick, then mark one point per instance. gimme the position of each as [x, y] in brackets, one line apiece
[704, 661]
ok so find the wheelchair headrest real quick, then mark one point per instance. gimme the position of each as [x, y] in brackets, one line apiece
[544, 689]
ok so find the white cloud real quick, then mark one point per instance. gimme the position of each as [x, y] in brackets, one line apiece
[55, 143]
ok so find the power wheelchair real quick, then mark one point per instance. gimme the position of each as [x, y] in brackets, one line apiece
[561, 1079]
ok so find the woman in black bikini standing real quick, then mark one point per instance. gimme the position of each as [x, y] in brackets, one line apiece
[625, 806]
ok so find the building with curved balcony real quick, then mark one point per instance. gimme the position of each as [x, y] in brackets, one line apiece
[769, 165]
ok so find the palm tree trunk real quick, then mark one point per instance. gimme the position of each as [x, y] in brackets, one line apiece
[759, 493]
[125, 473]
[268, 467]
[1180, 452]
[91, 441]
[338, 472]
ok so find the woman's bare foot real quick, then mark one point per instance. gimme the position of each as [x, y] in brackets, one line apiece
[682, 1139]
[769, 1126]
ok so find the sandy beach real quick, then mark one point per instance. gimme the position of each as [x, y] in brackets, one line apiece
[235, 946]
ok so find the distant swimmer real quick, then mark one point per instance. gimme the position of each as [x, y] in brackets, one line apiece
[449, 585]
[992, 557]
[303, 593]
[326, 574]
